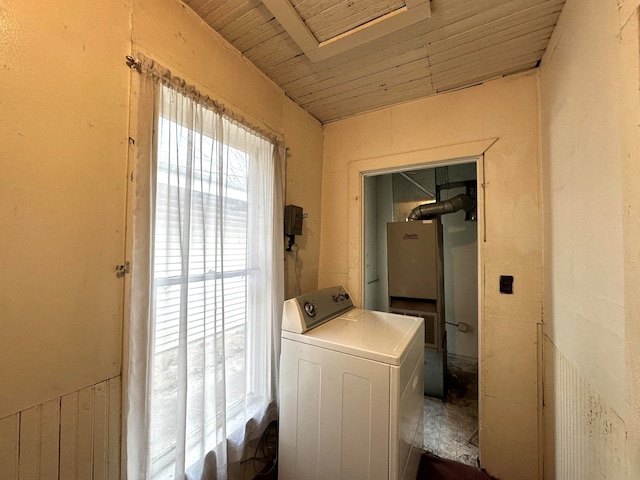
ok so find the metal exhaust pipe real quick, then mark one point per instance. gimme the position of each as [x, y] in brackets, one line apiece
[428, 211]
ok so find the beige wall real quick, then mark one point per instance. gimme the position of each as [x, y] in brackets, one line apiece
[303, 136]
[65, 106]
[462, 124]
[64, 94]
[64, 127]
[590, 112]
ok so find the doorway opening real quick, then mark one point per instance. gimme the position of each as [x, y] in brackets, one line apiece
[451, 315]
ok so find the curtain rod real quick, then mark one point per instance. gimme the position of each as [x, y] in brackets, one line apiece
[163, 75]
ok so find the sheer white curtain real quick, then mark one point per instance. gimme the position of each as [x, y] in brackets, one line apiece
[206, 288]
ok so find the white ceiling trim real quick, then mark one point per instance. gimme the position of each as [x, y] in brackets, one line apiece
[413, 12]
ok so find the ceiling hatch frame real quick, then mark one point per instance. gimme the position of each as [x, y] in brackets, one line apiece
[413, 12]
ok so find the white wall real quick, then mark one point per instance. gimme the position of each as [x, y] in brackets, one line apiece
[499, 119]
[372, 278]
[460, 249]
[589, 138]
[385, 215]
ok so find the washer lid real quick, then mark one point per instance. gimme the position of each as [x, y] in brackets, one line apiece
[379, 336]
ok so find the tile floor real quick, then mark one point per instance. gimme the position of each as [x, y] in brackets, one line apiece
[450, 427]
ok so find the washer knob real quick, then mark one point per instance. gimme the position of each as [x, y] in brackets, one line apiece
[310, 308]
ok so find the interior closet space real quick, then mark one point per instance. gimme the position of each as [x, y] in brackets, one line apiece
[428, 267]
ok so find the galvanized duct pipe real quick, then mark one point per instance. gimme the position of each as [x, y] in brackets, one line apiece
[428, 211]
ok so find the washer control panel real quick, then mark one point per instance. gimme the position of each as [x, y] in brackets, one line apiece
[307, 311]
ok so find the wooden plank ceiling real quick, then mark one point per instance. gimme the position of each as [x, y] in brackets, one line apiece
[463, 43]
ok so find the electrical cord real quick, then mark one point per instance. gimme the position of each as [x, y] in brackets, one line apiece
[463, 327]
[266, 451]
[294, 250]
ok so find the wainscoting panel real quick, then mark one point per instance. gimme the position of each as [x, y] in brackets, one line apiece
[9, 432]
[39, 441]
[73, 437]
[584, 437]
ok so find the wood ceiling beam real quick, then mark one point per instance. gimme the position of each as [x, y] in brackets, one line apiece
[413, 12]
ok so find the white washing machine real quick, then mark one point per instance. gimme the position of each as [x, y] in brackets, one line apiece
[351, 391]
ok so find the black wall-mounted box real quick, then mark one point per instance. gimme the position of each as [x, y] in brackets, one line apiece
[293, 220]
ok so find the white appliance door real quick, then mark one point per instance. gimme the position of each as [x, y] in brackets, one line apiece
[334, 415]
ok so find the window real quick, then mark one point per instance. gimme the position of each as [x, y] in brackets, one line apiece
[214, 291]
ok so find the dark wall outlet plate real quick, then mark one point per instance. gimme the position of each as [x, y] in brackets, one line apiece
[506, 284]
